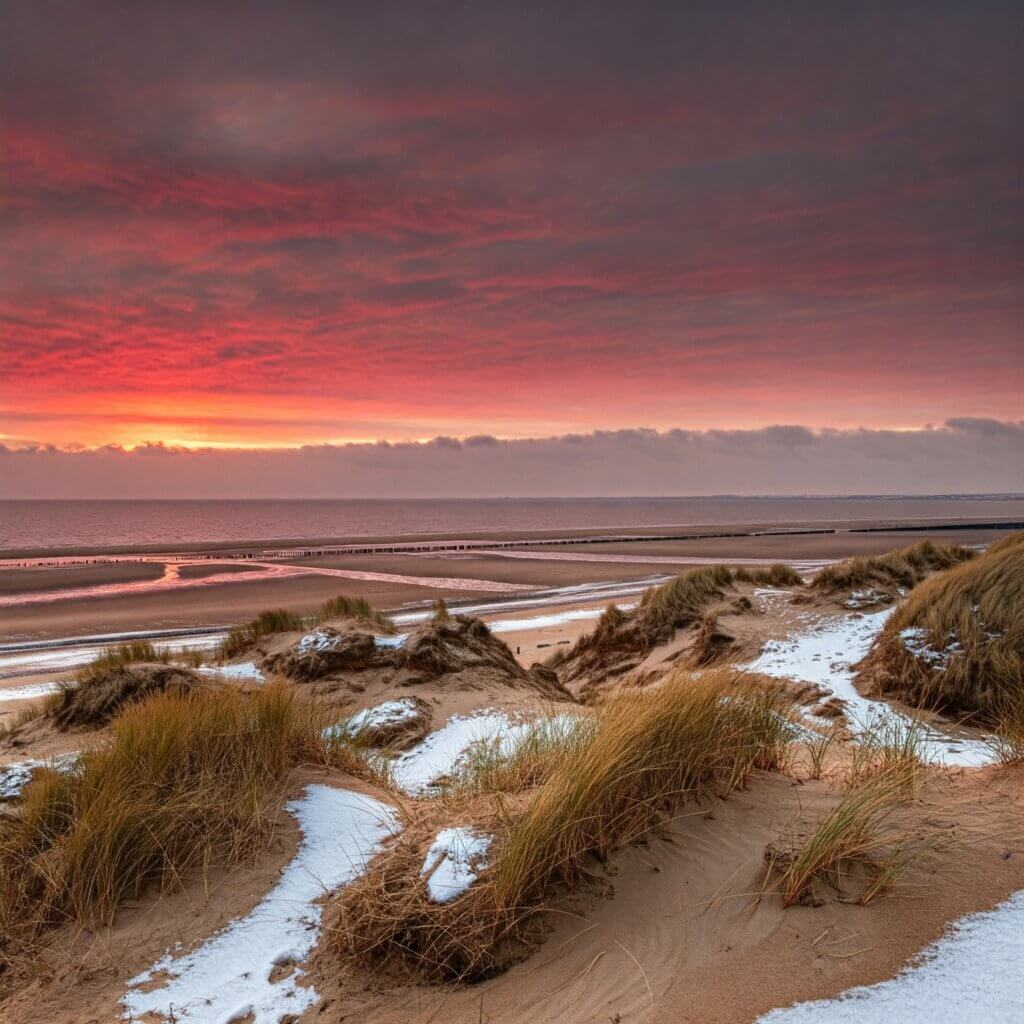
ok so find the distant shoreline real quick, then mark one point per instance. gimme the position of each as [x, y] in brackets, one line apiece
[412, 543]
[111, 593]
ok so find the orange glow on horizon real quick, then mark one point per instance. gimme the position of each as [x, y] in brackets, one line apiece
[270, 231]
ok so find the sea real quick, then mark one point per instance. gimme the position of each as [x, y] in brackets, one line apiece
[166, 525]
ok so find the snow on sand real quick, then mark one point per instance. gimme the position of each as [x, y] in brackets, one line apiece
[391, 712]
[453, 862]
[439, 753]
[973, 973]
[244, 670]
[825, 655]
[15, 777]
[228, 977]
[29, 692]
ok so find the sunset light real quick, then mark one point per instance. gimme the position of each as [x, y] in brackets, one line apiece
[511, 512]
[350, 239]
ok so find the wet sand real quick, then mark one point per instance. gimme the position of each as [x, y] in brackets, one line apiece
[208, 606]
[27, 581]
[228, 602]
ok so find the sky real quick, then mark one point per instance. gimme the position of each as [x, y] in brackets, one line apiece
[277, 228]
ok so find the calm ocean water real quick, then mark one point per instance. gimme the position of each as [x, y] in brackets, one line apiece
[101, 524]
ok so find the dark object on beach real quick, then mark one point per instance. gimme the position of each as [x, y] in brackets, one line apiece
[100, 696]
[441, 648]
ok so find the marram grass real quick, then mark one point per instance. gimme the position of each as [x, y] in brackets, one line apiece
[182, 780]
[623, 776]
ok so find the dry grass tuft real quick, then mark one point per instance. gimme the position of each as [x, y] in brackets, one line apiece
[23, 717]
[182, 780]
[602, 639]
[343, 607]
[680, 602]
[190, 657]
[904, 568]
[857, 834]
[891, 749]
[111, 683]
[242, 637]
[606, 787]
[711, 644]
[818, 746]
[956, 643]
[123, 654]
[440, 616]
[620, 636]
[1008, 737]
[691, 735]
[267, 623]
[777, 575]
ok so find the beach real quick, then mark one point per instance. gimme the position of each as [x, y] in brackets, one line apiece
[664, 915]
[85, 592]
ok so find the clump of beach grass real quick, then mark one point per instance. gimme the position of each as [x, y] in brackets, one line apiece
[1007, 740]
[679, 602]
[890, 748]
[24, 717]
[647, 753]
[777, 575]
[280, 620]
[359, 608]
[818, 745]
[857, 832]
[182, 780]
[440, 615]
[903, 568]
[693, 735]
[190, 657]
[267, 623]
[711, 644]
[111, 683]
[116, 657]
[956, 643]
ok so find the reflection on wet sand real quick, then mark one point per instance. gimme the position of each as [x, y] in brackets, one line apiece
[261, 572]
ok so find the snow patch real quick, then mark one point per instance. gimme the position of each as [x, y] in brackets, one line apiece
[453, 862]
[973, 973]
[826, 656]
[440, 753]
[245, 670]
[915, 640]
[317, 641]
[437, 754]
[228, 977]
[29, 692]
[391, 712]
[14, 777]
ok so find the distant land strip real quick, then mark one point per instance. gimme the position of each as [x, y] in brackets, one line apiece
[237, 553]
